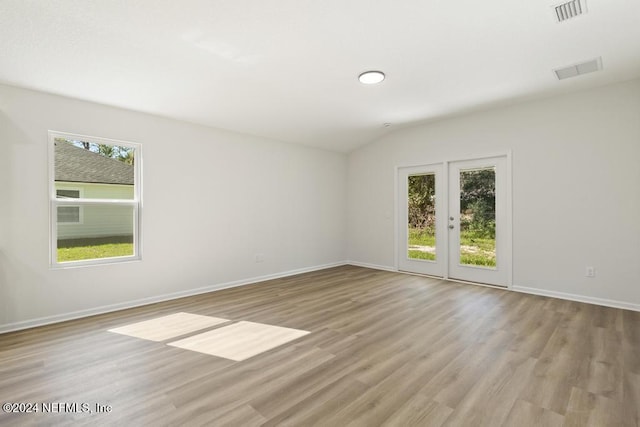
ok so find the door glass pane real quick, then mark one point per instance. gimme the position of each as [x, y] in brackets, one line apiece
[478, 217]
[421, 218]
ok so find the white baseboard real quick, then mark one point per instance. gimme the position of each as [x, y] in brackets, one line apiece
[373, 266]
[578, 298]
[16, 326]
[535, 291]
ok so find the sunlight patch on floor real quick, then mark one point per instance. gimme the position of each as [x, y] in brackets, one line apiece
[236, 341]
[239, 341]
[168, 327]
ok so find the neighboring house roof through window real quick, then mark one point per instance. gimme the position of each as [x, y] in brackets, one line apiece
[75, 164]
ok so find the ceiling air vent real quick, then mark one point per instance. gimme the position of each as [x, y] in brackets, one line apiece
[579, 69]
[570, 9]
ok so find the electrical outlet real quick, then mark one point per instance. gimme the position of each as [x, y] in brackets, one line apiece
[590, 272]
[259, 257]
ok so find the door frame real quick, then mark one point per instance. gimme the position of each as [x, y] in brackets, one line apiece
[508, 226]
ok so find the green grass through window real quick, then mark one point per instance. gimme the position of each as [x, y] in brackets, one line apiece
[475, 250]
[98, 248]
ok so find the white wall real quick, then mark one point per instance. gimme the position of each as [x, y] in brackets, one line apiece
[576, 189]
[212, 200]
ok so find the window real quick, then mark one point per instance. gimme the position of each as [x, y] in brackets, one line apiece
[68, 214]
[95, 197]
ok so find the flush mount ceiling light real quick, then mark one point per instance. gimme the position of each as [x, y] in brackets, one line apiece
[371, 77]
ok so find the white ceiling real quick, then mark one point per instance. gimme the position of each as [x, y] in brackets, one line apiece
[287, 69]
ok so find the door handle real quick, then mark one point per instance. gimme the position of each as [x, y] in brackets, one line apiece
[450, 218]
[451, 226]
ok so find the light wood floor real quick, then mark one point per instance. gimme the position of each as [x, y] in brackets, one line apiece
[384, 349]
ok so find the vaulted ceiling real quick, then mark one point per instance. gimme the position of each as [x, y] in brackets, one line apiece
[287, 69]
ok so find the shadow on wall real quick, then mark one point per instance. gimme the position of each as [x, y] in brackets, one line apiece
[4, 290]
[17, 284]
[10, 137]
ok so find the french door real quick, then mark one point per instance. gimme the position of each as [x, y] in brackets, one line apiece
[453, 220]
[421, 226]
